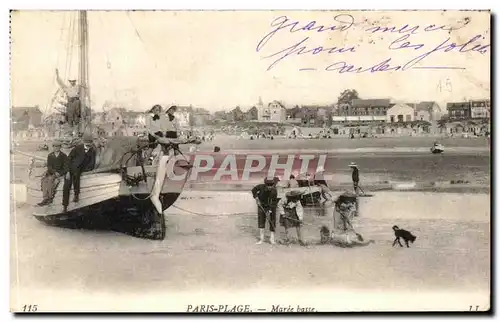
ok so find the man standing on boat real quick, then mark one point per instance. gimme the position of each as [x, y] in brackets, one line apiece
[81, 159]
[73, 108]
[57, 166]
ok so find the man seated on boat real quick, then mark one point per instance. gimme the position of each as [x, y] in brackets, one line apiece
[81, 159]
[57, 166]
[73, 108]
[169, 126]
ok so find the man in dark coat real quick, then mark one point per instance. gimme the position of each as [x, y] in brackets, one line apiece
[355, 176]
[57, 166]
[81, 159]
[266, 197]
[355, 183]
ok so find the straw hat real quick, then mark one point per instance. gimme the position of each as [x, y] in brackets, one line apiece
[174, 107]
[320, 169]
[353, 165]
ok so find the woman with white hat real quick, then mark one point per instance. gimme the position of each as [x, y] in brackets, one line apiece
[168, 125]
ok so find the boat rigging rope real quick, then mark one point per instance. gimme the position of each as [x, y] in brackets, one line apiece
[233, 214]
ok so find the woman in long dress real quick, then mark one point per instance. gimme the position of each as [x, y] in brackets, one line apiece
[169, 127]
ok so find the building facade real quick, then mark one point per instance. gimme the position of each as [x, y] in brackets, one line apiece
[459, 110]
[272, 112]
[24, 117]
[183, 116]
[362, 111]
[427, 111]
[480, 109]
[400, 113]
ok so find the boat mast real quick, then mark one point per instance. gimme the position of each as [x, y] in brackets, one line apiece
[83, 72]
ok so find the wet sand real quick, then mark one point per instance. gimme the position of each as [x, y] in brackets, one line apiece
[374, 168]
[207, 253]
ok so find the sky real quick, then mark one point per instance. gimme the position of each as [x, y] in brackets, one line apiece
[209, 59]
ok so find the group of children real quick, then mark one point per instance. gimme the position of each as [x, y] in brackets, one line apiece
[291, 213]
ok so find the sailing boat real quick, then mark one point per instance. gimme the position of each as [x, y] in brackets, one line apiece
[115, 195]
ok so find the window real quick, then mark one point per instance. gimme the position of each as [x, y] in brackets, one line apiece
[392, 118]
[408, 118]
[400, 118]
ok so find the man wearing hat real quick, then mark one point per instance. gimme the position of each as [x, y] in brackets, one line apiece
[81, 159]
[355, 183]
[266, 197]
[57, 166]
[355, 176]
[73, 109]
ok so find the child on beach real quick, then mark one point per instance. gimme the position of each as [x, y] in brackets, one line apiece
[266, 197]
[291, 213]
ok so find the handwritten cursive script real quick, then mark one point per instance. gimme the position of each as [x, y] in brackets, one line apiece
[300, 48]
[342, 23]
[475, 44]
[412, 30]
[384, 66]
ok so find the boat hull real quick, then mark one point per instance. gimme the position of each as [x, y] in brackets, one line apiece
[436, 151]
[109, 202]
[131, 215]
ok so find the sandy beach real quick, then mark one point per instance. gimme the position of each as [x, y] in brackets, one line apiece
[210, 245]
[216, 252]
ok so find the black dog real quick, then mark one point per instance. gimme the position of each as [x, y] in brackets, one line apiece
[406, 235]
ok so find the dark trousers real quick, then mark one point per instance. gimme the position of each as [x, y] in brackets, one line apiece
[355, 184]
[73, 112]
[49, 186]
[261, 213]
[74, 180]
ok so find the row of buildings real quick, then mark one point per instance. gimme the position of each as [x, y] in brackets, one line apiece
[373, 110]
[428, 116]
